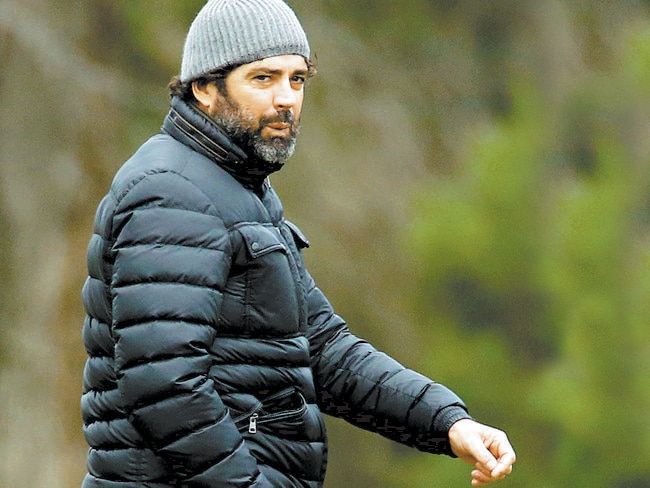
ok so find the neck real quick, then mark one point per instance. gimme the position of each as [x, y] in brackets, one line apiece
[190, 125]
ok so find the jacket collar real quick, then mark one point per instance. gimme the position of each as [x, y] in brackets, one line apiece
[188, 124]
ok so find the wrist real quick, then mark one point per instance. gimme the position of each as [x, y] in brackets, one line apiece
[445, 421]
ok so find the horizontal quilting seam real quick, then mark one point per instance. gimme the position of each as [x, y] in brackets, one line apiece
[185, 320]
[162, 358]
[115, 449]
[152, 172]
[187, 429]
[371, 380]
[260, 336]
[171, 245]
[106, 418]
[132, 284]
[195, 429]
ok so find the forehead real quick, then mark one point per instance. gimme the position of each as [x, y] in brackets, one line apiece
[286, 62]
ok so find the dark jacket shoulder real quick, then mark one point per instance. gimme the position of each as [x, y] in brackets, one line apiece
[166, 170]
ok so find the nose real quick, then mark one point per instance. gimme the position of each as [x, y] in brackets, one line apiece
[285, 96]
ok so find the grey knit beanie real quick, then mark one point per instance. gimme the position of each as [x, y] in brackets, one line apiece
[234, 32]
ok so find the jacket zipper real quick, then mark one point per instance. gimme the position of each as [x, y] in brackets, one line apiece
[254, 418]
[252, 424]
[245, 417]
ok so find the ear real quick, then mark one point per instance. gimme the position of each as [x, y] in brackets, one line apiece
[206, 95]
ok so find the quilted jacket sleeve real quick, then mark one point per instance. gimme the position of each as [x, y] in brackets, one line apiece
[371, 390]
[171, 260]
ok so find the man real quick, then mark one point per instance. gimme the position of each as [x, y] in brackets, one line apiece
[212, 353]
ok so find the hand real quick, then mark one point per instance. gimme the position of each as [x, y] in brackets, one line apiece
[486, 448]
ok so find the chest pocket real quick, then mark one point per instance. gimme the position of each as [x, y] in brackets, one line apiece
[262, 297]
[299, 242]
[298, 236]
[261, 240]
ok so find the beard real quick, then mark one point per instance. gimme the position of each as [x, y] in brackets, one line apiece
[246, 132]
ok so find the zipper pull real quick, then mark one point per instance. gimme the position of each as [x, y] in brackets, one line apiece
[252, 424]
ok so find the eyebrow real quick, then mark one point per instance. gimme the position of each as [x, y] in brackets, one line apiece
[271, 71]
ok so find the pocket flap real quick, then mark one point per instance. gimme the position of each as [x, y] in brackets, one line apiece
[261, 240]
[299, 237]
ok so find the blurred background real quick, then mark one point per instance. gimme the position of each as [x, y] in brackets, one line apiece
[474, 178]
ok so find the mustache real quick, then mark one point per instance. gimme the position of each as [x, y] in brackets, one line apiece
[284, 117]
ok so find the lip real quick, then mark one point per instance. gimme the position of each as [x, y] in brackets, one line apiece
[279, 126]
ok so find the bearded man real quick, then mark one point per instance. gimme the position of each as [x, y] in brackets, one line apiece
[212, 353]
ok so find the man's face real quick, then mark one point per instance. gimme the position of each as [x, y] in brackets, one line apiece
[261, 108]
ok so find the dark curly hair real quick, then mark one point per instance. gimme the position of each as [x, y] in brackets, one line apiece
[183, 89]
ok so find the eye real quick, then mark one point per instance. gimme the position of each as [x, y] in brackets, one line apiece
[262, 77]
[299, 79]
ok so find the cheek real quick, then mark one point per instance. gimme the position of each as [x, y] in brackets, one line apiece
[249, 100]
[298, 108]
[256, 102]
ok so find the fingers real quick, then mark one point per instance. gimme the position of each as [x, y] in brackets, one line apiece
[488, 449]
[495, 460]
[482, 477]
[504, 453]
[504, 465]
[479, 478]
[485, 460]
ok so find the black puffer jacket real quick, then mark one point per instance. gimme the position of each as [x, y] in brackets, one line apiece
[211, 351]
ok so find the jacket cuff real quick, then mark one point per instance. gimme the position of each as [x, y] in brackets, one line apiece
[443, 422]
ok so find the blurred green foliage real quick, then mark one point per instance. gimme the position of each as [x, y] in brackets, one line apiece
[535, 259]
[474, 178]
